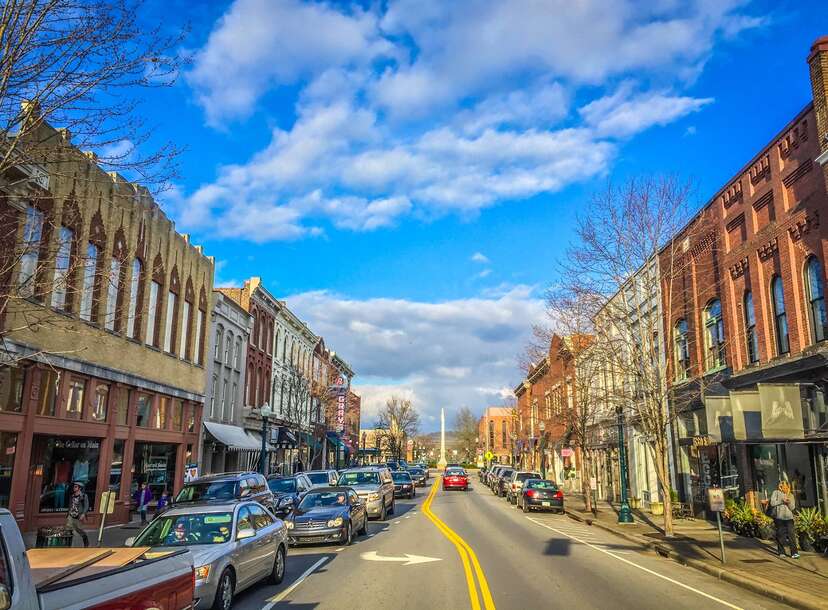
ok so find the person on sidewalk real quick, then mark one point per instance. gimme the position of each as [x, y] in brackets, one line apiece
[78, 507]
[163, 502]
[142, 499]
[781, 510]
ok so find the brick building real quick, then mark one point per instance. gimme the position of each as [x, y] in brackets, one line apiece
[745, 310]
[102, 364]
[496, 430]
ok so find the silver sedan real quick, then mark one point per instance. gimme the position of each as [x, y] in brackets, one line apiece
[234, 546]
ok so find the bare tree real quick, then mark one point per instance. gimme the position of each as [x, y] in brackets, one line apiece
[466, 433]
[397, 421]
[297, 398]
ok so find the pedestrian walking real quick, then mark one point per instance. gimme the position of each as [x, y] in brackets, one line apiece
[78, 507]
[142, 499]
[163, 501]
[781, 510]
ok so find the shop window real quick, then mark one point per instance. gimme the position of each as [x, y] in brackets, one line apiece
[8, 449]
[751, 338]
[117, 468]
[133, 313]
[159, 420]
[714, 336]
[122, 415]
[90, 265]
[63, 260]
[12, 379]
[49, 391]
[101, 402]
[177, 415]
[780, 318]
[681, 350]
[816, 300]
[63, 460]
[143, 411]
[74, 398]
[32, 243]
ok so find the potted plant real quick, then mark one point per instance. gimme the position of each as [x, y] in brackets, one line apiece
[765, 526]
[809, 527]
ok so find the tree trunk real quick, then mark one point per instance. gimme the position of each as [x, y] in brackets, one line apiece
[663, 471]
[585, 487]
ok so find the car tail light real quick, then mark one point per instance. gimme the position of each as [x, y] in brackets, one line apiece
[531, 493]
[559, 494]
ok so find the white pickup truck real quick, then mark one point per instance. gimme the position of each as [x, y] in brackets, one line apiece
[90, 579]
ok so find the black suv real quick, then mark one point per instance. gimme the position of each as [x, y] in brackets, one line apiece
[228, 486]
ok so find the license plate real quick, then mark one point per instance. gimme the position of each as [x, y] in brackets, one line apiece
[546, 503]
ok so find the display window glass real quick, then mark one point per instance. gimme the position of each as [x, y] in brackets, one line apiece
[101, 403]
[8, 451]
[49, 390]
[11, 388]
[117, 467]
[143, 410]
[61, 461]
[74, 398]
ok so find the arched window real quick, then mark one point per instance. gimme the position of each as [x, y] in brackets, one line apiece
[185, 351]
[115, 284]
[171, 322]
[681, 350]
[780, 318]
[238, 353]
[219, 343]
[155, 300]
[750, 329]
[276, 343]
[714, 335]
[228, 350]
[201, 328]
[816, 299]
[135, 297]
[88, 285]
[491, 434]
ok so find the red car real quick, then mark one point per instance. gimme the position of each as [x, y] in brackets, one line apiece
[455, 478]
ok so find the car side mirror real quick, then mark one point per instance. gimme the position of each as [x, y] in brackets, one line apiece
[129, 541]
[245, 532]
[5, 598]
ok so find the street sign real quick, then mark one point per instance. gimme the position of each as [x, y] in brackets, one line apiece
[108, 502]
[489, 456]
[715, 497]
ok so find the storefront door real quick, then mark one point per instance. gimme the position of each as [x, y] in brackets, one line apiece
[57, 463]
[154, 464]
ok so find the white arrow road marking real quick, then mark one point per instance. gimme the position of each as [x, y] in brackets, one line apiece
[408, 560]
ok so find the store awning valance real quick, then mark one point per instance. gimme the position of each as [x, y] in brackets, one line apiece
[233, 437]
[282, 438]
[333, 437]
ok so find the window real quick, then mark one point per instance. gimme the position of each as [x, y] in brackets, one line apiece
[213, 391]
[101, 400]
[122, 414]
[63, 260]
[238, 353]
[276, 353]
[780, 318]
[116, 470]
[185, 332]
[49, 391]
[199, 357]
[228, 350]
[714, 335]
[682, 350]
[244, 521]
[233, 401]
[816, 300]
[12, 379]
[152, 314]
[143, 410]
[191, 419]
[169, 327]
[74, 399]
[219, 342]
[113, 287]
[90, 266]
[750, 330]
[177, 414]
[32, 237]
[503, 433]
[224, 398]
[133, 329]
[159, 420]
[547, 406]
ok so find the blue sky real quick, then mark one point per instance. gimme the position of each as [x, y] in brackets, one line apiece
[405, 173]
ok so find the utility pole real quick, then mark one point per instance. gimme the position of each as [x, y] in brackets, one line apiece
[624, 513]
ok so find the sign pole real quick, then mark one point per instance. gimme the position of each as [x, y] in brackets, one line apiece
[716, 500]
[721, 539]
[104, 510]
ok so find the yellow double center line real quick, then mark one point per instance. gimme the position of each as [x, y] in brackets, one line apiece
[466, 553]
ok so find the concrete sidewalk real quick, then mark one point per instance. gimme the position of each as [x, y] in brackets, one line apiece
[750, 563]
[113, 535]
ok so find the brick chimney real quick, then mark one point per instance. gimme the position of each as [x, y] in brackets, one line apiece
[818, 63]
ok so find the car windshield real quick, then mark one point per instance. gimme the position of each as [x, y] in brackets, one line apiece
[542, 484]
[316, 499]
[401, 477]
[523, 476]
[417, 471]
[278, 486]
[358, 478]
[318, 478]
[187, 530]
[455, 472]
[208, 490]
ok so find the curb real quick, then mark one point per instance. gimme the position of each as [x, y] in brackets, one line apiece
[745, 582]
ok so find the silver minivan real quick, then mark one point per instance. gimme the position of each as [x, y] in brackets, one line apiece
[374, 486]
[234, 546]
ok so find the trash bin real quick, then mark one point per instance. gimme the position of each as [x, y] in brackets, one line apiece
[54, 536]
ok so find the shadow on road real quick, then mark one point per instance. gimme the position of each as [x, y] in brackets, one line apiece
[558, 546]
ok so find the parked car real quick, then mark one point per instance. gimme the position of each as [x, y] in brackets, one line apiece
[455, 478]
[500, 481]
[234, 546]
[515, 483]
[322, 478]
[227, 486]
[483, 473]
[403, 484]
[287, 491]
[419, 475]
[392, 466]
[492, 475]
[164, 582]
[328, 514]
[541, 494]
[374, 486]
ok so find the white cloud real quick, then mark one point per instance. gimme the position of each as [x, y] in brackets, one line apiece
[479, 257]
[484, 273]
[449, 354]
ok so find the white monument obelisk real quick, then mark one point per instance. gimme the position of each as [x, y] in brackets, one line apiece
[441, 465]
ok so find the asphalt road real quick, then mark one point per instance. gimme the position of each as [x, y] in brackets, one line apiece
[485, 555]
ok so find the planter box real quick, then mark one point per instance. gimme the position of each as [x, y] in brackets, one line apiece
[657, 508]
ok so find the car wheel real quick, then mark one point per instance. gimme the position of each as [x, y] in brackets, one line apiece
[278, 573]
[348, 535]
[364, 529]
[383, 513]
[224, 592]
[393, 508]
[525, 507]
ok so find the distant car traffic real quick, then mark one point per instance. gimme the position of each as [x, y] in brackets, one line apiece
[403, 484]
[322, 478]
[234, 545]
[288, 491]
[515, 483]
[541, 494]
[392, 466]
[455, 478]
[375, 488]
[328, 514]
[227, 486]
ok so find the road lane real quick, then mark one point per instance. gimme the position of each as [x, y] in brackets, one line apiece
[573, 565]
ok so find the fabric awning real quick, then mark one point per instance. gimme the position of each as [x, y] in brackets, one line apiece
[333, 437]
[234, 438]
[282, 438]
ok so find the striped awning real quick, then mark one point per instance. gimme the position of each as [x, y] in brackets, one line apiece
[234, 438]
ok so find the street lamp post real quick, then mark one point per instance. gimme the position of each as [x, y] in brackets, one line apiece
[624, 513]
[265, 411]
[364, 435]
[542, 444]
